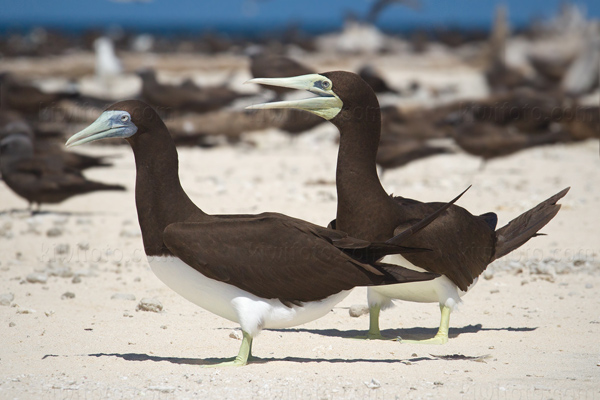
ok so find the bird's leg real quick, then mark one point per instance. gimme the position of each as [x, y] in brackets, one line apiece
[35, 208]
[441, 337]
[243, 355]
[374, 331]
[482, 165]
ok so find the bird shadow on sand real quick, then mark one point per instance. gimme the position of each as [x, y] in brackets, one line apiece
[141, 357]
[31, 213]
[417, 333]
[212, 361]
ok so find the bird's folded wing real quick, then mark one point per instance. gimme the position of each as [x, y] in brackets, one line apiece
[269, 256]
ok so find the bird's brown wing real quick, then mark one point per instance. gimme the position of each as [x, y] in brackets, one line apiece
[274, 256]
[462, 243]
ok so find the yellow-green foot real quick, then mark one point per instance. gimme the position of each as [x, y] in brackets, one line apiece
[434, 340]
[233, 363]
[442, 336]
[374, 332]
[244, 354]
[374, 336]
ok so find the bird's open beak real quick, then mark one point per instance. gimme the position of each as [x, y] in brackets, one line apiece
[327, 105]
[106, 126]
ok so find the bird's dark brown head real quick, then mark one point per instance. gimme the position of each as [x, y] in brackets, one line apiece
[129, 119]
[147, 74]
[359, 100]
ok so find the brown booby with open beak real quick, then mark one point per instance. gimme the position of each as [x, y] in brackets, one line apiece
[463, 244]
[262, 271]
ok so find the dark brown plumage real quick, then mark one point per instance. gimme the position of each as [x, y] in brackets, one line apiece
[41, 179]
[489, 141]
[26, 98]
[374, 79]
[582, 123]
[507, 123]
[185, 97]
[419, 124]
[394, 152]
[524, 109]
[50, 148]
[405, 137]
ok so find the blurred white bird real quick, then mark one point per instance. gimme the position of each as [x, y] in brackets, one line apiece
[108, 65]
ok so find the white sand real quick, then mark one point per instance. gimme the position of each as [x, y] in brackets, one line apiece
[539, 330]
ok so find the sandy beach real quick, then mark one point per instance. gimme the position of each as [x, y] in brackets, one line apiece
[72, 277]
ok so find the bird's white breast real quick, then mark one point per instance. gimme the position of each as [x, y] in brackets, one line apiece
[228, 301]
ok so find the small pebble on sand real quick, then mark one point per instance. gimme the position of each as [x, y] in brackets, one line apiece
[37, 277]
[6, 299]
[62, 248]
[54, 232]
[123, 296]
[147, 304]
[67, 295]
[374, 384]
[356, 310]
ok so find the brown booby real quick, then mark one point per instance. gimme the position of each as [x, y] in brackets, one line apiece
[417, 124]
[262, 271]
[505, 124]
[463, 244]
[185, 97]
[49, 147]
[26, 98]
[41, 179]
[375, 80]
[394, 152]
[487, 140]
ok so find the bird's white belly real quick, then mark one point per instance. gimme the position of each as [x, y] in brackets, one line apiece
[440, 289]
[230, 302]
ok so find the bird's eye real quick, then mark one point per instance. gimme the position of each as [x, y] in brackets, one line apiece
[325, 84]
[124, 118]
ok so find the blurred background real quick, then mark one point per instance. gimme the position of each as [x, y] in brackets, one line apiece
[484, 78]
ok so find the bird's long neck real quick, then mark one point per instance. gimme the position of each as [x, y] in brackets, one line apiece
[160, 199]
[362, 201]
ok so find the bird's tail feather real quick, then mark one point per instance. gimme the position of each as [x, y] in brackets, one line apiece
[402, 275]
[525, 226]
[94, 186]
